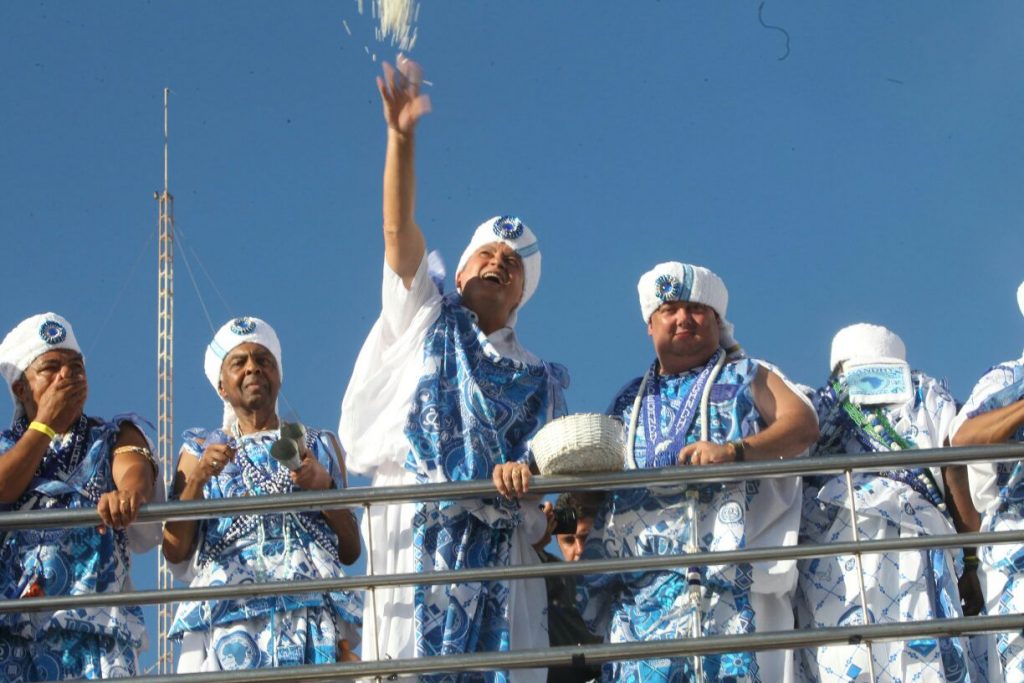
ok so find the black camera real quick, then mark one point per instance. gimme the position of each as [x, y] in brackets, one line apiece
[565, 521]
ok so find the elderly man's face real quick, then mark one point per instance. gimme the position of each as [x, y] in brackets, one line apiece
[571, 545]
[59, 365]
[685, 335]
[493, 276]
[249, 377]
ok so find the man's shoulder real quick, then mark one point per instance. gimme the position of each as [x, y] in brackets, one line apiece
[625, 396]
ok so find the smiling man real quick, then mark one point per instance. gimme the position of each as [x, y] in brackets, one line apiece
[55, 456]
[701, 402]
[243, 364]
[443, 391]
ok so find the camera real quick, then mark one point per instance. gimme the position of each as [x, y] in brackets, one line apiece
[565, 521]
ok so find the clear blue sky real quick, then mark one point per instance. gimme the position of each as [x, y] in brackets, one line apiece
[873, 174]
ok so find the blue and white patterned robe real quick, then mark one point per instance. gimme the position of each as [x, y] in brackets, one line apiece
[908, 586]
[284, 630]
[737, 599]
[95, 642]
[998, 492]
[434, 399]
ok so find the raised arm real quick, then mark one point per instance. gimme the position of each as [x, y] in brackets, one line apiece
[995, 426]
[403, 106]
[58, 408]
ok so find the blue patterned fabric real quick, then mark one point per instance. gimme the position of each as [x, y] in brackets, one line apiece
[643, 606]
[1001, 386]
[74, 473]
[907, 586]
[471, 411]
[260, 548]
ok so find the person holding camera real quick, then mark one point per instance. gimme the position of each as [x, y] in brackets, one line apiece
[243, 363]
[569, 521]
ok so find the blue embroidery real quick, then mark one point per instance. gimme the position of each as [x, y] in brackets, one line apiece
[52, 332]
[243, 326]
[508, 227]
[472, 411]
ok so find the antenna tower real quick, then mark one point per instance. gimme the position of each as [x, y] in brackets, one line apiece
[165, 390]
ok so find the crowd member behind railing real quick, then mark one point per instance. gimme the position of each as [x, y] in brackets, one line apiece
[569, 520]
[994, 414]
[872, 403]
[442, 390]
[243, 364]
[55, 456]
[701, 402]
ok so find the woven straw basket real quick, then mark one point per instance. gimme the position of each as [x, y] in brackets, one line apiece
[587, 442]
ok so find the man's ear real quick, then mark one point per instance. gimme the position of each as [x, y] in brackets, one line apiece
[650, 328]
[20, 388]
[220, 389]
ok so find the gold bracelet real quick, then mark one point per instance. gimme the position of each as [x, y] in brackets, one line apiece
[43, 428]
[141, 450]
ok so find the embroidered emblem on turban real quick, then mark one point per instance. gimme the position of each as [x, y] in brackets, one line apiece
[52, 332]
[241, 326]
[668, 288]
[508, 227]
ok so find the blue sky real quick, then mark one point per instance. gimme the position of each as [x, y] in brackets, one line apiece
[872, 174]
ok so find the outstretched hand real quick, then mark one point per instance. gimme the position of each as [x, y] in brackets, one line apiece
[400, 95]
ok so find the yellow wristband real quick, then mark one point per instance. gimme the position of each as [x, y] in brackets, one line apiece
[45, 429]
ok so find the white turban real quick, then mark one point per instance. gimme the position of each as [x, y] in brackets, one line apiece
[511, 231]
[675, 281]
[866, 342]
[230, 335]
[30, 339]
[1020, 297]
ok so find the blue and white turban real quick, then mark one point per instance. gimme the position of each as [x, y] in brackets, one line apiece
[510, 231]
[675, 281]
[231, 334]
[31, 338]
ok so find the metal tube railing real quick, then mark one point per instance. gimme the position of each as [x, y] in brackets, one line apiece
[358, 496]
[595, 654]
[365, 496]
[627, 564]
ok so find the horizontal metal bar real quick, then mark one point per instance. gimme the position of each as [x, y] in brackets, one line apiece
[358, 496]
[627, 564]
[596, 654]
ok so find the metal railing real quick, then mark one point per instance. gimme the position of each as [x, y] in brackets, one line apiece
[363, 496]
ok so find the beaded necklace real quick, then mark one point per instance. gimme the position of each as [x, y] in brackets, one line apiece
[878, 430]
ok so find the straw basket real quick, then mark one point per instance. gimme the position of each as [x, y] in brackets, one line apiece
[587, 442]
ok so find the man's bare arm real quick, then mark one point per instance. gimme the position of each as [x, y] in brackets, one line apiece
[403, 104]
[792, 424]
[995, 426]
[792, 427]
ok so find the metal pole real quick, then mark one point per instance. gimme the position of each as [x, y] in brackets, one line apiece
[860, 571]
